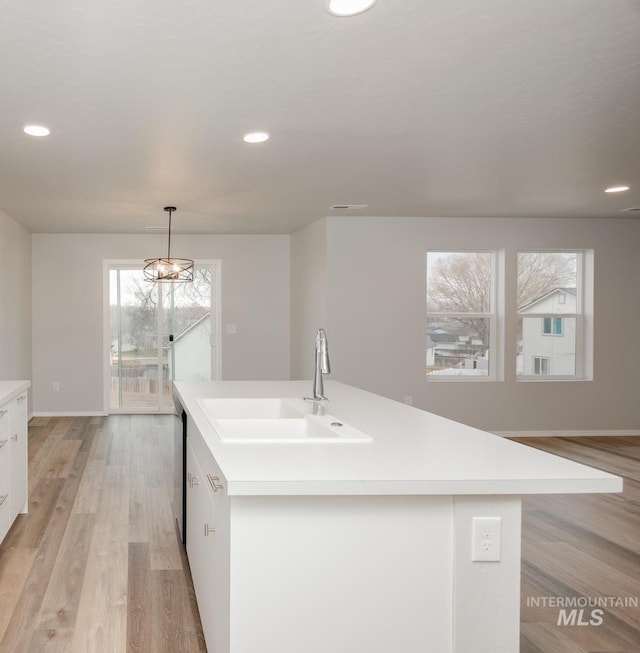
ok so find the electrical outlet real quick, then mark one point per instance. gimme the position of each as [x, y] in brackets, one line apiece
[485, 539]
[56, 386]
[408, 399]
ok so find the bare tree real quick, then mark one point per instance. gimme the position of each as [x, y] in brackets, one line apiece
[541, 272]
[461, 283]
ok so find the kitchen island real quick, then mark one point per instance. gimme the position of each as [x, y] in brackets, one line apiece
[378, 527]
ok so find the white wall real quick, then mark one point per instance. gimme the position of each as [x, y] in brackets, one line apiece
[68, 308]
[376, 319]
[308, 295]
[15, 300]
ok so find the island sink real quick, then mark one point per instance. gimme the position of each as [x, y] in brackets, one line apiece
[253, 408]
[275, 420]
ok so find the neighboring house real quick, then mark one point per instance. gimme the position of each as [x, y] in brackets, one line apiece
[456, 351]
[192, 351]
[548, 345]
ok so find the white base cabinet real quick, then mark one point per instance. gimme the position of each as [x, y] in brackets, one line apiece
[207, 542]
[13, 453]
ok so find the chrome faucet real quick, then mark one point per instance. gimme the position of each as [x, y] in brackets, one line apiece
[322, 367]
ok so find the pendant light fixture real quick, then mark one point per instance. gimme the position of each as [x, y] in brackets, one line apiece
[171, 269]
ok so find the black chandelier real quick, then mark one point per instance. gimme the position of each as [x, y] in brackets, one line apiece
[171, 269]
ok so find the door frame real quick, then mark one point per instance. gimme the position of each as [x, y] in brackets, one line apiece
[216, 338]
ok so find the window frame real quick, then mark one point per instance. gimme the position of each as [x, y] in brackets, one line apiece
[583, 315]
[553, 322]
[541, 359]
[495, 317]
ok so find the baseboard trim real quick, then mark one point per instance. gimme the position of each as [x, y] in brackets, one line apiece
[567, 434]
[69, 413]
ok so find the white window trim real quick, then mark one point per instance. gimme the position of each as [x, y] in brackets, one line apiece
[496, 320]
[552, 332]
[583, 317]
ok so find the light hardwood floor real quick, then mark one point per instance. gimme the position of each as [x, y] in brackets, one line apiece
[96, 566]
[583, 547]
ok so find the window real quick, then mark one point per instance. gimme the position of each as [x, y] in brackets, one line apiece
[553, 315]
[552, 326]
[540, 366]
[461, 315]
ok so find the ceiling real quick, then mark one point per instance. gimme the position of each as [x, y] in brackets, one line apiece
[416, 108]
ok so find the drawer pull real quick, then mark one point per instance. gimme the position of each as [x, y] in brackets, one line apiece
[14, 437]
[3, 413]
[3, 442]
[3, 498]
[21, 398]
[208, 530]
[192, 480]
[214, 484]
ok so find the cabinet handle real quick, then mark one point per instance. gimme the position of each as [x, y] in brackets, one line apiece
[14, 437]
[208, 530]
[3, 442]
[3, 498]
[21, 398]
[192, 479]
[214, 485]
[3, 413]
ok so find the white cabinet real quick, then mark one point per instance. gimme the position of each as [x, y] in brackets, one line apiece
[207, 541]
[13, 459]
[5, 501]
[18, 454]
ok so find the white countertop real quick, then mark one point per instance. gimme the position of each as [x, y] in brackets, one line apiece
[412, 451]
[11, 389]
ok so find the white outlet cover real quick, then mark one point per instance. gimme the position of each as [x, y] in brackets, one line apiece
[486, 534]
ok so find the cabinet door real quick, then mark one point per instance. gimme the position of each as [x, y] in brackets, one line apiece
[4, 453]
[200, 544]
[18, 463]
[4, 448]
[5, 515]
[208, 553]
[5, 501]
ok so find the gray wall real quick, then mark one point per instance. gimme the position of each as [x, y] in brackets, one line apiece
[308, 295]
[15, 300]
[68, 309]
[376, 319]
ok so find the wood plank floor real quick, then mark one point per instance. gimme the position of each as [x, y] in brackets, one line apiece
[96, 565]
[580, 548]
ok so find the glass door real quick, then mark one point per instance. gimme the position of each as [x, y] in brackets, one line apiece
[189, 326]
[158, 332]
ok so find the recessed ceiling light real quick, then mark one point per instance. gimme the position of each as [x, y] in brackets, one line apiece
[349, 7]
[36, 130]
[616, 189]
[256, 137]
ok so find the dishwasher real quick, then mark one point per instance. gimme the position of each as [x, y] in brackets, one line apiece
[179, 469]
